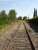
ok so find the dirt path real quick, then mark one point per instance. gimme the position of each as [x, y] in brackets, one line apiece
[21, 41]
[7, 37]
[15, 39]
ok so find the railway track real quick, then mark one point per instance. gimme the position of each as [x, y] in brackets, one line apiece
[32, 46]
[22, 41]
[19, 40]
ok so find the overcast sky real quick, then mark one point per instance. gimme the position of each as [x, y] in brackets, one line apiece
[22, 7]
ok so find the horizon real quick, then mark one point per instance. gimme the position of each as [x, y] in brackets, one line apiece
[22, 7]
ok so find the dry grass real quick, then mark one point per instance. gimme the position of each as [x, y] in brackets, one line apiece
[5, 28]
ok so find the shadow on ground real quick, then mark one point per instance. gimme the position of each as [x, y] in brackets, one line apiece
[34, 27]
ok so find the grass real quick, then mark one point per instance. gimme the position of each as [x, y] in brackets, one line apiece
[5, 24]
[5, 28]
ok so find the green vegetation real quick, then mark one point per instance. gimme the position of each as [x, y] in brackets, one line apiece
[25, 18]
[19, 18]
[33, 20]
[6, 19]
[12, 15]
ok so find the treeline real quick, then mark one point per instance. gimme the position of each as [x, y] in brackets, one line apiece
[7, 18]
[22, 18]
[33, 21]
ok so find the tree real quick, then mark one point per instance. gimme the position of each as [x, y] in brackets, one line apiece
[25, 17]
[19, 18]
[35, 13]
[12, 15]
[3, 17]
[3, 14]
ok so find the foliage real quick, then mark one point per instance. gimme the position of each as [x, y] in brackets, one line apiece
[5, 19]
[12, 15]
[35, 13]
[24, 18]
[33, 20]
[19, 18]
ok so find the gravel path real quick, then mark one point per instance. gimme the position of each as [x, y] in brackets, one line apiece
[15, 39]
[21, 41]
[8, 38]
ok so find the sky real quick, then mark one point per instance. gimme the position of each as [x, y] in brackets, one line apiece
[22, 7]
